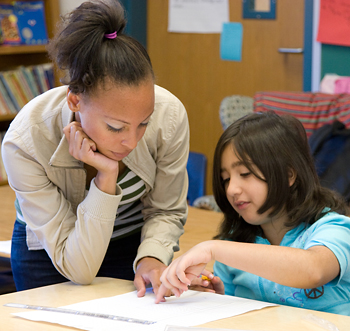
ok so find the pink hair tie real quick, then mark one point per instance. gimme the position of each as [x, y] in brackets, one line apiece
[111, 35]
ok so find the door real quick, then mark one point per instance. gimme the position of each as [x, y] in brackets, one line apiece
[189, 65]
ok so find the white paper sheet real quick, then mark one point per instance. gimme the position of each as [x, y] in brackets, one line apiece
[197, 16]
[192, 308]
[189, 328]
[5, 247]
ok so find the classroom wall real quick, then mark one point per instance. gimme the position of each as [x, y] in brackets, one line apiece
[189, 65]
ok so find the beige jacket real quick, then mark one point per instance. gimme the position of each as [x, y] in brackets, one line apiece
[74, 227]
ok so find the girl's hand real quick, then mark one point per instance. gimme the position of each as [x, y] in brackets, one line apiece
[181, 272]
[82, 148]
[207, 282]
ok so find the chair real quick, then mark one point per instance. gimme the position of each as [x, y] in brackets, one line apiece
[234, 107]
[197, 170]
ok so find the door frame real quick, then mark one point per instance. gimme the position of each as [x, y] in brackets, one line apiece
[312, 48]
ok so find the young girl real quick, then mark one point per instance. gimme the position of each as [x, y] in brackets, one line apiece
[97, 165]
[284, 238]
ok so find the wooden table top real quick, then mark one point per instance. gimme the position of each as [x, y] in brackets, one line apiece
[280, 318]
[8, 212]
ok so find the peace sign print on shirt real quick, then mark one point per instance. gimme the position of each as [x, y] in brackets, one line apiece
[314, 293]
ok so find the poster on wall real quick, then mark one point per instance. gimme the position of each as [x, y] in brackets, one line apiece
[334, 22]
[197, 16]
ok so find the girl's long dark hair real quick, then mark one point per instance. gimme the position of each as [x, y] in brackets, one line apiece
[276, 145]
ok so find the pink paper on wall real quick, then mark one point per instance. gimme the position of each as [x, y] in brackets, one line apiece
[342, 85]
[334, 22]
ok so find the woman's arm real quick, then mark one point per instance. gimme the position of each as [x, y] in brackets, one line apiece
[73, 229]
[165, 206]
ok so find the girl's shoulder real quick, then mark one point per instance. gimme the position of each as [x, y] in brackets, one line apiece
[329, 227]
[332, 217]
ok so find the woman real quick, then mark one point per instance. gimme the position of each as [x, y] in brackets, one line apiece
[99, 164]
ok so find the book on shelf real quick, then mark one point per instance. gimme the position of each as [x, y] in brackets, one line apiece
[12, 97]
[3, 107]
[23, 22]
[40, 77]
[15, 87]
[30, 79]
[49, 74]
[8, 25]
[10, 106]
[20, 85]
[22, 81]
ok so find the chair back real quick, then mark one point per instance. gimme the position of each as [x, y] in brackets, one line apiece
[197, 170]
[234, 107]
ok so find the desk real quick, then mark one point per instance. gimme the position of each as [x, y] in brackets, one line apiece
[280, 318]
[201, 225]
[7, 214]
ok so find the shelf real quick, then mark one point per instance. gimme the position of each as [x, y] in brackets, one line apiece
[22, 49]
[13, 56]
[7, 117]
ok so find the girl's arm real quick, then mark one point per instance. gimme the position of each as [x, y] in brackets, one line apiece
[287, 266]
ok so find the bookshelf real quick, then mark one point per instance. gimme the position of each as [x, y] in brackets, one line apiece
[23, 55]
[22, 49]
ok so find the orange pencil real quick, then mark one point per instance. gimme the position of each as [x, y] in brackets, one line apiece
[205, 278]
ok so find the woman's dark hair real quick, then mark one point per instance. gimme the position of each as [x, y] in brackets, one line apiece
[277, 146]
[81, 49]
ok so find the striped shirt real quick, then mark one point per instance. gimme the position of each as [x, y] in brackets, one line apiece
[129, 217]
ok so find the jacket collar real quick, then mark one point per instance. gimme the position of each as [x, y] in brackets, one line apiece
[61, 156]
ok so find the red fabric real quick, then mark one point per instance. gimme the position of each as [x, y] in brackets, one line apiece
[312, 109]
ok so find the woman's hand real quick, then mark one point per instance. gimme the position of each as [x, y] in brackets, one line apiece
[148, 271]
[182, 271]
[82, 148]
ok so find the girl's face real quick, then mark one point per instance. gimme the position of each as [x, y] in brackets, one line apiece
[245, 192]
[116, 119]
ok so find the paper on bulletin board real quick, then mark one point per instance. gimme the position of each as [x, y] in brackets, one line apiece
[231, 42]
[197, 16]
[334, 22]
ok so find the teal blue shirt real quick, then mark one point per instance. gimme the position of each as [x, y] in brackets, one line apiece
[332, 231]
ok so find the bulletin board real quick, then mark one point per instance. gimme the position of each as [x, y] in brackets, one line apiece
[334, 34]
[335, 60]
[189, 65]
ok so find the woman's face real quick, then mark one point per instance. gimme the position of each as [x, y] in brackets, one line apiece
[116, 118]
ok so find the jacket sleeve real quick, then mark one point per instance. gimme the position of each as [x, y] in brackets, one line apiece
[75, 237]
[165, 206]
